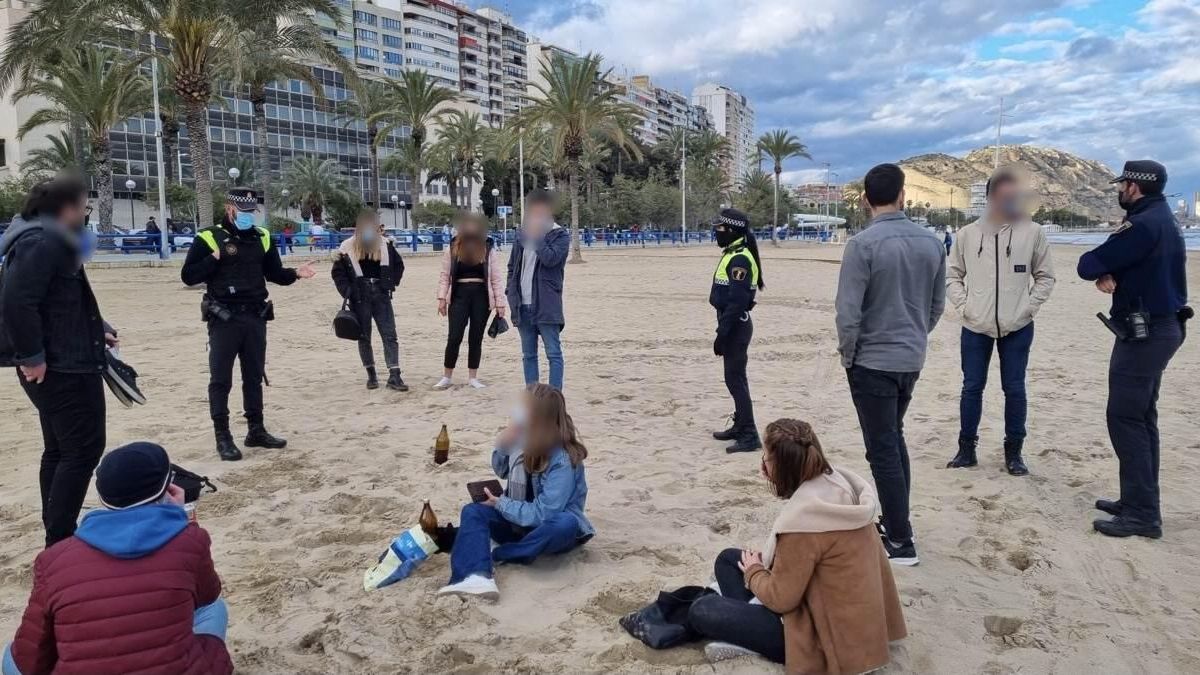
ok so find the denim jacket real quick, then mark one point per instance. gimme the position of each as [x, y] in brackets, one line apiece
[560, 488]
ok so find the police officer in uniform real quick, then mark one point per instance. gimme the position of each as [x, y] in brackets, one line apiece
[1142, 265]
[737, 279]
[236, 259]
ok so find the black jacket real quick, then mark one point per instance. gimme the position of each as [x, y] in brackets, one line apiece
[348, 282]
[48, 313]
[248, 260]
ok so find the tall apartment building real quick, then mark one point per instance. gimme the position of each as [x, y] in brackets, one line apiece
[673, 110]
[733, 118]
[493, 62]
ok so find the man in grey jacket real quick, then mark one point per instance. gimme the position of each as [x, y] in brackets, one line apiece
[1000, 273]
[891, 293]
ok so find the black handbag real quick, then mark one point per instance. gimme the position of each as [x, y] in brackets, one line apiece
[663, 624]
[499, 326]
[345, 324]
[192, 484]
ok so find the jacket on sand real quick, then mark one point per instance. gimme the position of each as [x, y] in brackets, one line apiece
[118, 597]
[494, 281]
[826, 573]
[999, 275]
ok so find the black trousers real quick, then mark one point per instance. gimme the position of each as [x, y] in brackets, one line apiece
[71, 410]
[375, 304]
[881, 399]
[731, 618]
[1135, 373]
[736, 357]
[244, 338]
[469, 305]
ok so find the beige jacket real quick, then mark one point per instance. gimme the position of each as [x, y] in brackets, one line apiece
[999, 275]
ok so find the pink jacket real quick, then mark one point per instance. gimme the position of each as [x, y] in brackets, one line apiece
[495, 280]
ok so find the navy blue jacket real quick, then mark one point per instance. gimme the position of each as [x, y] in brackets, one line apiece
[552, 251]
[1147, 259]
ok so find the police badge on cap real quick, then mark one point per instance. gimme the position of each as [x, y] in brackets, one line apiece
[243, 199]
[1143, 172]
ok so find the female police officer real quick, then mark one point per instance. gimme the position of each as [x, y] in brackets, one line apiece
[738, 277]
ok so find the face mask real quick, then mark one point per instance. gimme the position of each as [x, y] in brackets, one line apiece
[1122, 201]
[244, 220]
[726, 237]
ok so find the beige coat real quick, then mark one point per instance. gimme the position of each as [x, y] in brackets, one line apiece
[999, 275]
[826, 573]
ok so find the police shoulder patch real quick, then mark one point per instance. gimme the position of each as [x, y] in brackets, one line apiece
[231, 248]
[738, 273]
[1125, 225]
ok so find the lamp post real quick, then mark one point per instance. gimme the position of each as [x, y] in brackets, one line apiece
[164, 251]
[683, 177]
[179, 155]
[496, 207]
[287, 205]
[404, 208]
[234, 174]
[395, 208]
[129, 185]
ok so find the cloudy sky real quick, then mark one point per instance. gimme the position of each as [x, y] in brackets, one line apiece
[865, 81]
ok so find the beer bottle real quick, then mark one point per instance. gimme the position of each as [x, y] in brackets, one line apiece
[441, 448]
[428, 521]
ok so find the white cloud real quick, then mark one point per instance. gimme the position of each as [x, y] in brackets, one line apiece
[1038, 27]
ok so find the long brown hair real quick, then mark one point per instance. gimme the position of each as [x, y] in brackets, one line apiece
[796, 455]
[550, 427]
[367, 219]
[470, 244]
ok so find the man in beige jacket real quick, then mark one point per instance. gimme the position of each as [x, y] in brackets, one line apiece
[999, 274]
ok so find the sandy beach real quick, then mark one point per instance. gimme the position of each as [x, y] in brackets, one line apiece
[1012, 578]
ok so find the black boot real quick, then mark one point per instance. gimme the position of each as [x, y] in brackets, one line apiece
[395, 382]
[226, 448]
[966, 454]
[746, 441]
[1012, 458]
[730, 433]
[1125, 527]
[372, 380]
[259, 437]
[1109, 506]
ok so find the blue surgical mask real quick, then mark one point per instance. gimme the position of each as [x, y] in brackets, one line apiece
[244, 220]
[369, 236]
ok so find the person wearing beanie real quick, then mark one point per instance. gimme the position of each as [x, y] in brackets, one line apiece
[735, 283]
[138, 564]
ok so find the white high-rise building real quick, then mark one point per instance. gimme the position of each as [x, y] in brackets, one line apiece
[732, 117]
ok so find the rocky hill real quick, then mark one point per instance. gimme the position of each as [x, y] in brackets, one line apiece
[1060, 179]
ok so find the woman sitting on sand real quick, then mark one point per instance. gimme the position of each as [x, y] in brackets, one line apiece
[549, 520]
[822, 571]
[366, 270]
[470, 289]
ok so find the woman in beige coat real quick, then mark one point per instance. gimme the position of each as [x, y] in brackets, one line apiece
[470, 288]
[820, 597]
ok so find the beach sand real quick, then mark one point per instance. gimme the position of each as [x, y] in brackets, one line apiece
[1012, 578]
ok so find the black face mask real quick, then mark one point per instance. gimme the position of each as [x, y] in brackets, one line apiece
[1122, 201]
[726, 237]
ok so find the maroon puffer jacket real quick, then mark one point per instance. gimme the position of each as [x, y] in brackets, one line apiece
[93, 613]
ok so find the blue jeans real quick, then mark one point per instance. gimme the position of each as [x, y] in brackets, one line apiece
[530, 331]
[208, 620]
[481, 524]
[976, 357]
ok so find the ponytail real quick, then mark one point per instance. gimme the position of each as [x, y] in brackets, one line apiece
[752, 244]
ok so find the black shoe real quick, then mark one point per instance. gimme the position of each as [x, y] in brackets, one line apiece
[901, 554]
[259, 437]
[1012, 458]
[730, 433]
[1109, 506]
[1124, 527]
[226, 448]
[746, 441]
[966, 454]
[372, 379]
[395, 382]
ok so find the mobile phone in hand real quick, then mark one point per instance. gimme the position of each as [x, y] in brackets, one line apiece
[476, 489]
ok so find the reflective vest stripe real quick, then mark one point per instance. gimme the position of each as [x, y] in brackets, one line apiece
[722, 275]
[208, 237]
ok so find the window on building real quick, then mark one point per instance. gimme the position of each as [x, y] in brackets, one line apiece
[392, 41]
[369, 53]
[392, 57]
[364, 17]
[390, 24]
[366, 35]
[392, 72]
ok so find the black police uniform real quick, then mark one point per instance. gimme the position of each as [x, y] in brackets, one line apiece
[1146, 257]
[734, 287]
[236, 310]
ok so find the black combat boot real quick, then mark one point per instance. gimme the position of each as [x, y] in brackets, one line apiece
[730, 433]
[1110, 506]
[259, 437]
[966, 454]
[226, 448]
[1012, 458]
[1127, 527]
[395, 382]
[372, 379]
[746, 441]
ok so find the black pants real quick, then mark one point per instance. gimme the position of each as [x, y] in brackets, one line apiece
[731, 618]
[376, 304]
[243, 337]
[468, 305]
[1135, 373]
[736, 357]
[881, 399]
[71, 410]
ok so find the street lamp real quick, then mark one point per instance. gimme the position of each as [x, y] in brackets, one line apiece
[234, 174]
[496, 207]
[395, 209]
[287, 205]
[404, 207]
[129, 185]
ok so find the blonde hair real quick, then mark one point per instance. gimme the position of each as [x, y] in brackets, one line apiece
[367, 219]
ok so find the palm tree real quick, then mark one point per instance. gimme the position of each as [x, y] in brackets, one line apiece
[576, 102]
[500, 157]
[708, 148]
[854, 196]
[268, 52]
[440, 164]
[98, 87]
[463, 135]
[60, 156]
[780, 145]
[313, 182]
[369, 101]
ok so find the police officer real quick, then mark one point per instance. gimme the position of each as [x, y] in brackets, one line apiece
[1142, 265]
[737, 279]
[236, 259]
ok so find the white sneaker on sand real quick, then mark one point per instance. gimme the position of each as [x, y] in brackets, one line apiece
[443, 383]
[723, 651]
[476, 384]
[473, 586]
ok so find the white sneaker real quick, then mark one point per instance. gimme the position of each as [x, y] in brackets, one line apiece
[476, 384]
[473, 586]
[724, 651]
[443, 383]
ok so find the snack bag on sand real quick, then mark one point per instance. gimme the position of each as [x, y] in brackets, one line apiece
[405, 554]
